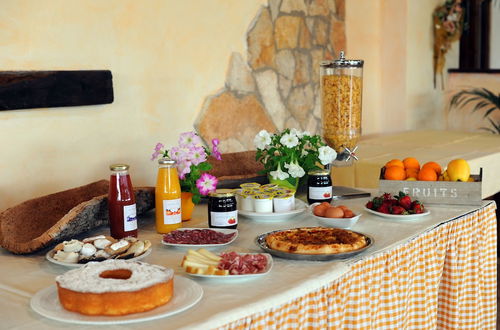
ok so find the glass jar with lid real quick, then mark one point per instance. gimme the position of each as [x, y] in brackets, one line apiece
[222, 209]
[319, 186]
[341, 97]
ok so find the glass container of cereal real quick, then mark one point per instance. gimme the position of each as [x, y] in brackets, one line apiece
[341, 95]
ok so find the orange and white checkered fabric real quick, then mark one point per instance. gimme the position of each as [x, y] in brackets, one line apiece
[443, 279]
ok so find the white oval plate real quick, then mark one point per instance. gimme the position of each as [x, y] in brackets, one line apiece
[186, 294]
[49, 256]
[399, 216]
[300, 207]
[221, 230]
[344, 223]
[242, 276]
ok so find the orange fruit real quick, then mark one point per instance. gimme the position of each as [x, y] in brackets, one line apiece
[435, 166]
[394, 173]
[427, 174]
[394, 162]
[411, 173]
[411, 162]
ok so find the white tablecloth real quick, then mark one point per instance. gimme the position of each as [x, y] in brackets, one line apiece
[223, 301]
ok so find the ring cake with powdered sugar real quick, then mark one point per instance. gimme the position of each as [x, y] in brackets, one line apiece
[115, 287]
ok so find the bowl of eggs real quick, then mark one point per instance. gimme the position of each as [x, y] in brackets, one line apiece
[334, 216]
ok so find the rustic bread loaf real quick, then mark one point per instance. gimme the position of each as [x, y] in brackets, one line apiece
[47, 220]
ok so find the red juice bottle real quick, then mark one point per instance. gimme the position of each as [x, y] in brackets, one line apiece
[121, 203]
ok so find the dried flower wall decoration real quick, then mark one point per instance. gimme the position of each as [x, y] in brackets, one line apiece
[448, 26]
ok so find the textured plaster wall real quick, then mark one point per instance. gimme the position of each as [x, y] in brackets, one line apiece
[166, 56]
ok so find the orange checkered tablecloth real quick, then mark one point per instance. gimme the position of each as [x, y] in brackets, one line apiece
[444, 278]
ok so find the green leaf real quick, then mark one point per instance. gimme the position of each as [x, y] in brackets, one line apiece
[196, 197]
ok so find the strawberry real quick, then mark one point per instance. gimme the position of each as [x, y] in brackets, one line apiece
[405, 201]
[384, 208]
[417, 207]
[398, 210]
[386, 196]
[374, 203]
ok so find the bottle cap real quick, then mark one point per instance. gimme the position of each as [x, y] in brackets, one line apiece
[118, 167]
[166, 161]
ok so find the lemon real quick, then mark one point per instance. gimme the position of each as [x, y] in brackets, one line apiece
[411, 179]
[458, 170]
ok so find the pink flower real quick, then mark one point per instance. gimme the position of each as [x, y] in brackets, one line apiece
[188, 139]
[177, 154]
[206, 183]
[215, 151]
[184, 168]
[155, 154]
[159, 146]
[449, 26]
[197, 155]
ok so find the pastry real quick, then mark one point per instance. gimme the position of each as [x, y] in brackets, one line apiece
[115, 287]
[316, 240]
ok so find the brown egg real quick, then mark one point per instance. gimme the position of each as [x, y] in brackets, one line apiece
[319, 210]
[325, 204]
[348, 214]
[334, 212]
[343, 207]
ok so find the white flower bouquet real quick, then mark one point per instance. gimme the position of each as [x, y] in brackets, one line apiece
[288, 155]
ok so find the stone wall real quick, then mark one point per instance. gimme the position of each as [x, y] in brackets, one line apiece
[276, 83]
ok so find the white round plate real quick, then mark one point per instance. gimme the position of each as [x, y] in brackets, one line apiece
[186, 294]
[240, 277]
[399, 216]
[220, 230]
[49, 256]
[300, 207]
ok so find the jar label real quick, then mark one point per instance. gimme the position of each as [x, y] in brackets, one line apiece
[224, 219]
[172, 211]
[320, 192]
[129, 217]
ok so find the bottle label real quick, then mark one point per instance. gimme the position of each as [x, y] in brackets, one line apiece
[172, 211]
[129, 217]
[320, 192]
[224, 219]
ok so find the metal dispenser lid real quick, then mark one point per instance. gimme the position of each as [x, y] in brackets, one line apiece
[341, 62]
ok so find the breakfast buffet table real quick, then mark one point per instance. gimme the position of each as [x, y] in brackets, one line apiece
[437, 271]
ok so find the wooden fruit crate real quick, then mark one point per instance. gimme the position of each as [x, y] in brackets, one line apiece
[436, 192]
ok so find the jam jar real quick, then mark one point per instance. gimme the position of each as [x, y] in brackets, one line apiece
[222, 209]
[319, 187]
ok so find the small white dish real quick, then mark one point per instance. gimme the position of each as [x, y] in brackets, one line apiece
[49, 256]
[398, 216]
[240, 277]
[187, 293]
[220, 230]
[344, 223]
[300, 207]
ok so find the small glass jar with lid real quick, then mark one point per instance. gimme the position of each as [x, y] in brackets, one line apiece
[222, 209]
[341, 97]
[319, 187]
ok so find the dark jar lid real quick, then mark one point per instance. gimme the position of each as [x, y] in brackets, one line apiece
[222, 193]
[319, 172]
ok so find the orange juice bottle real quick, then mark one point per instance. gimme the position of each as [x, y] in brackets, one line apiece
[167, 197]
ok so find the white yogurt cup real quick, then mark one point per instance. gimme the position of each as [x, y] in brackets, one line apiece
[263, 203]
[246, 202]
[284, 203]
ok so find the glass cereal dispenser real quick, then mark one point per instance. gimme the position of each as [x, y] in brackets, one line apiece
[341, 95]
